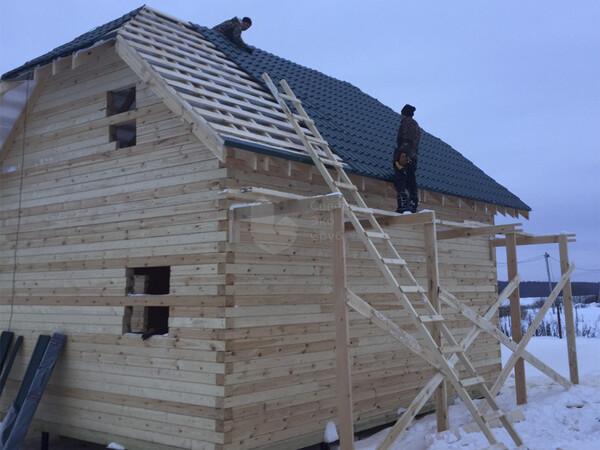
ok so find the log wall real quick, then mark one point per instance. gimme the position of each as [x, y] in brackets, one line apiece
[89, 212]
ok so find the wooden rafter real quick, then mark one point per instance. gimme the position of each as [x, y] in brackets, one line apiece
[206, 82]
[198, 125]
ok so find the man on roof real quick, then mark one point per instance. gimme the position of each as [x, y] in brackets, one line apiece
[405, 161]
[232, 30]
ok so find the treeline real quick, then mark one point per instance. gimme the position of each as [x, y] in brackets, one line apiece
[529, 289]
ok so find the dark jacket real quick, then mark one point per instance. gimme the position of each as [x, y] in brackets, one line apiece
[232, 29]
[409, 135]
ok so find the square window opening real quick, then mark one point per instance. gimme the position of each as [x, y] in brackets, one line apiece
[124, 134]
[142, 319]
[120, 101]
[149, 280]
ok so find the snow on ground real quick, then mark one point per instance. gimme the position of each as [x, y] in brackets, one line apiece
[555, 418]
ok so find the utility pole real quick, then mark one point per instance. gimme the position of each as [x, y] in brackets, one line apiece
[547, 256]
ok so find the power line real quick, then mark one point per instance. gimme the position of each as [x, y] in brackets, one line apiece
[578, 268]
[535, 258]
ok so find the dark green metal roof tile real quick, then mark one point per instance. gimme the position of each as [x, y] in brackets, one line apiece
[362, 130]
[86, 40]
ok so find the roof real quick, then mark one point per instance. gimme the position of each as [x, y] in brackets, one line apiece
[101, 33]
[359, 128]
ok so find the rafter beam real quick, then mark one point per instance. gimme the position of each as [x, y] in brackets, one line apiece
[534, 240]
[478, 231]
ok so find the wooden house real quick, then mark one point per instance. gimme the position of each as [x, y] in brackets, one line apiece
[128, 166]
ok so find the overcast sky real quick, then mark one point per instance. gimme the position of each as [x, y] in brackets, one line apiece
[514, 85]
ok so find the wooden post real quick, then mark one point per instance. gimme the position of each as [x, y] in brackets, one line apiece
[515, 316]
[344, 382]
[568, 302]
[441, 394]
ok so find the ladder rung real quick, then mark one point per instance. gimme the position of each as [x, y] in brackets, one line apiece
[361, 210]
[472, 381]
[376, 235]
[394, 261]
[492, 416]
[315, 140]
[412, 289]
[433, 318]
[452, 349]
[291, 98]
[371, 211]
[347, 186]
[329, 162]
[300, 118]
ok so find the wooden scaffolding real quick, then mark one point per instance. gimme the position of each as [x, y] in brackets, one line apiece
[434, 342]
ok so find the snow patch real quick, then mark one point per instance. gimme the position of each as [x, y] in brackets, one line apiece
[331, 434]
[115, 446]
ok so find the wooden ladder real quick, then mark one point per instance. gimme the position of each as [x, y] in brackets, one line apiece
[442, 358]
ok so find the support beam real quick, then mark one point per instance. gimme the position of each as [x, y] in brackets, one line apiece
[255, 193]
[390, 219]
[478, 231]
[342, 339]
[568, 304]
[515, 317]
[431, 255]
[533, 240]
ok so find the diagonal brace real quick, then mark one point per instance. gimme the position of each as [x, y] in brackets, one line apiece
[428, 390]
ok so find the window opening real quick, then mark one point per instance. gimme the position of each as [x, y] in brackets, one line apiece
[120, 101]
[124, 134]
[143, 319]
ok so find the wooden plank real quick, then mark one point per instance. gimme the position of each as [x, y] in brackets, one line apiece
[344, 387]
[533, 240]
[433, 285]
[477, 231]
[515, 317]
[568, 308]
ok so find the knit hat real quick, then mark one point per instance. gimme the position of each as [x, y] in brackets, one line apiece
[247, 20]
[408, 110]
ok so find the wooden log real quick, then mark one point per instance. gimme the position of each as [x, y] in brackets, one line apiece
[344, 388]
[515, 317]
[441, 395]
[568, 308]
